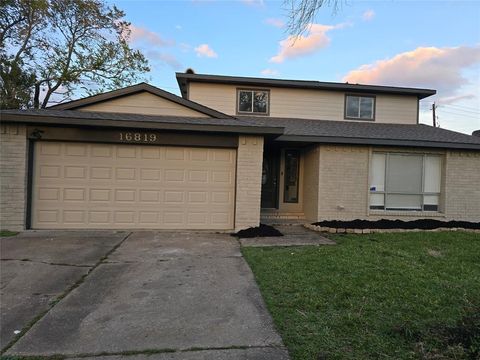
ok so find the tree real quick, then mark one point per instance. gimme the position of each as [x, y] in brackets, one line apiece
[53, 48]
[302, 12]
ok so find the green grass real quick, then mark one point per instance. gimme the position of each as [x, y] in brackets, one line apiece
[379, 296]
[5, 233]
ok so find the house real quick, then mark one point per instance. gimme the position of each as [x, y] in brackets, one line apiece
[232, 151]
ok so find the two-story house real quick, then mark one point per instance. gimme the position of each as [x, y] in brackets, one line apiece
[230, 151]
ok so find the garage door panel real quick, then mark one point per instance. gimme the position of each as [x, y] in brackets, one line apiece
[81, 185]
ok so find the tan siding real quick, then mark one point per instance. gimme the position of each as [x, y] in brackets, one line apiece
[13, 176]
[306, 104]
[396, 109]
[143, 103]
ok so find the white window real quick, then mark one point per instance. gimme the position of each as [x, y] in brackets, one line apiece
[405, 182]
[253, 102]
[359, 107]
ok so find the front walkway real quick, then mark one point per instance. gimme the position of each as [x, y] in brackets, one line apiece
[293, 235]
[172, 295]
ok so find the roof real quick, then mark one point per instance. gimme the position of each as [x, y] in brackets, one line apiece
[282, 129]
[367, 133]
[183, 79]
[107, 119]
[130, 90]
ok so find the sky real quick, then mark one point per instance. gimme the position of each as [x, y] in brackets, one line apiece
[429, 44]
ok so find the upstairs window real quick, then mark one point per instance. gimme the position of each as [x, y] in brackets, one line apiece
[359, 107]
[405, 182]
[253, 102]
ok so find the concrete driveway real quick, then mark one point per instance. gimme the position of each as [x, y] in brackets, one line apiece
[169, 295]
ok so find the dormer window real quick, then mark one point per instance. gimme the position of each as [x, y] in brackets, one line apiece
[255, 102]
[359, 107]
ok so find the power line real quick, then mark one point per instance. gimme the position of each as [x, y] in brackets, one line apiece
[462, 115]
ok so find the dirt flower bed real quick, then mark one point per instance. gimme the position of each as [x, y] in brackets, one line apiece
[423, 224]
[259, 231]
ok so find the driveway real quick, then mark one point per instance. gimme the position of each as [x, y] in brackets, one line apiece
[169, 295]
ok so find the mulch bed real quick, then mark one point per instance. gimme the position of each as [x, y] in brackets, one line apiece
[259, 231]
[423, 224]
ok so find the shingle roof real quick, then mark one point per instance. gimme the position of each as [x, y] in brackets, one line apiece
[285, 129]
[367, 133]
[93, 118]
[183, 79]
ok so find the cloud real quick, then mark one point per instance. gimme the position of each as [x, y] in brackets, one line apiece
[368, 15]
[168, 59]
[315, 39]
[279, 23]
[269, 72]
[141, 34]
[204, 50]
[452, 99]
[253, 2]
[432, 67]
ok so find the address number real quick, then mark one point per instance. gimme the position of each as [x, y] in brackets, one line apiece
[138, 137]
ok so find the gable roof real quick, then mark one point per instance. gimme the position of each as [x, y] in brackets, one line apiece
[183, 79]
[130, 90]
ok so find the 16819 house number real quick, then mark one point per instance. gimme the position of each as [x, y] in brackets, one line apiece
[138, 137]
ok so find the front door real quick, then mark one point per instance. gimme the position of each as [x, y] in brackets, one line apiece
[271, 160]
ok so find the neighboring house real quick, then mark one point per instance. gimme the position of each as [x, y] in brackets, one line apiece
[230, 151]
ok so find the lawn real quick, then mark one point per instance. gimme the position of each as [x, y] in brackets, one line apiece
[379, 296]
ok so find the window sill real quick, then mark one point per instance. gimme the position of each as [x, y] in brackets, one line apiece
[407, 213]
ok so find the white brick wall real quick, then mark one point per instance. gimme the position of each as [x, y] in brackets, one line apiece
[249, 177]
[13, 176]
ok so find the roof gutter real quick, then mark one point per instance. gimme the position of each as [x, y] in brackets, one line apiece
[146, 125]
[369, 141]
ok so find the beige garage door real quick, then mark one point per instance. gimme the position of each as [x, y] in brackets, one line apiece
[99, 186]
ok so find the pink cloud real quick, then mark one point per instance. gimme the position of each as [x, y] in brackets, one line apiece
[368, 15]
[438, 68]
[204, 50]
[297, 46]
[279, 23]
[141, 34]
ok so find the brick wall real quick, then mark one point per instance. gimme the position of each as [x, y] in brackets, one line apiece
[249, 177]
[462, 185]
[343, 184]
[13, 176]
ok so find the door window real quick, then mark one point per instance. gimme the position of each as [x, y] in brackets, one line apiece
[292, 167]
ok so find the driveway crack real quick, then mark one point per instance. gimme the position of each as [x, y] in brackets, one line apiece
[48, 263]
[64, 294]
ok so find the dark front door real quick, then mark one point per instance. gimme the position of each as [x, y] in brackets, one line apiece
[271, 160]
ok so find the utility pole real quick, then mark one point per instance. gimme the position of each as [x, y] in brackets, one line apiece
[434, 116]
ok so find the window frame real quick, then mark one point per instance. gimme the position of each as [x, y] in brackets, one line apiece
[374, 110]
[422, 193]
[238, 112]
